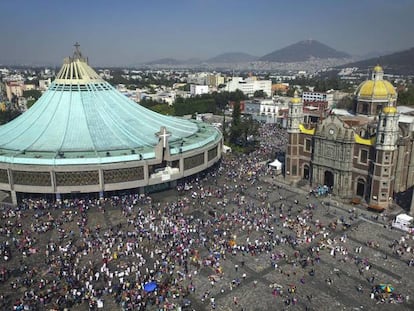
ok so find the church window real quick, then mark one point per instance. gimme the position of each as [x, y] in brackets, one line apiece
[308, 145]
[365, 108]
[382, 138]
[384, 122]
[363, 156]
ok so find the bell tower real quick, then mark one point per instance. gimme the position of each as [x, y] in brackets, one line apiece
[383, 173]
[295, 119]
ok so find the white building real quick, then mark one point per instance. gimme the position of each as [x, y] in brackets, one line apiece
[264, 110]
[198, 89]
[249, 86]
[44, 84]
[331, 97]
[197, 78]
[167, 97]
[314, 97]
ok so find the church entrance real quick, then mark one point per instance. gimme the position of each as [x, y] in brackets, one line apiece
[329, 179]
[306, 172]
[360, 190]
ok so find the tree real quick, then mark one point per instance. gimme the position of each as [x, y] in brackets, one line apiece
[198, 104]
[249, 127]
[345, 103]
[32, 94]
[406, 96]
[224, 127]
[260, 93]
[8, 115]
[237, 96]
[185, 87]
[290, 92]
[235, 129]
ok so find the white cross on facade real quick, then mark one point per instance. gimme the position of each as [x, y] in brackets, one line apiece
[163, 134]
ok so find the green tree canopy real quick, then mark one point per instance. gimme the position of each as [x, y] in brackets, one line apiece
[260, 93]
[406, 96]
[346, 102]
[33, 94]
[236, 128]
[8, 115]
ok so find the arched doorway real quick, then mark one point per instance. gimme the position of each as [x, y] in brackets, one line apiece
[329, 179]
[306, 172]
[360, 189]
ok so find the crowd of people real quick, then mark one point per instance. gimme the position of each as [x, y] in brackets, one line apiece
[54, 256]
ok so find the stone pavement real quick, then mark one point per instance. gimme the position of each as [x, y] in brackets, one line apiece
[258, 282]
[255, 291]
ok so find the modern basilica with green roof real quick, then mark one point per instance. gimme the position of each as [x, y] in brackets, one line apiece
[83, 136]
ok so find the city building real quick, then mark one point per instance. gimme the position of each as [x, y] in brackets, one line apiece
[314, 97]
[280, 88]
[198, 89]
[367, 156]
[14, 88]
[44, 84]
[214, 80]
[198, 78]
[263, 110]
[249, 86]
[84, 136]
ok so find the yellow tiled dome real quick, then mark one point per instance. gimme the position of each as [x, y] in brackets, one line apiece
[378, 68]
[380, 89]
[389, 110]
[296, 99]
[377, 87]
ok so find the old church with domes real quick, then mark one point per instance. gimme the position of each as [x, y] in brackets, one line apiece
[367, 156]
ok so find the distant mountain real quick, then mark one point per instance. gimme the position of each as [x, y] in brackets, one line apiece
[174, 62]
[193, 60]
[395, 63]
[234, 57]
[165, 61]
[371, 54]
[303, 51]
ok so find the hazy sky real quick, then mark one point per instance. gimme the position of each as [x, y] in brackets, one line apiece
[131, 32]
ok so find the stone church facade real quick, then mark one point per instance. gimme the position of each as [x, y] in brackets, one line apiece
[367, 156]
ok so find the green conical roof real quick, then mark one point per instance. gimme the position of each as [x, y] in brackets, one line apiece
[82, 116]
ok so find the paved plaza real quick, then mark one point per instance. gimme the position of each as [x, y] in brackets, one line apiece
[256, 290]
[237, 238]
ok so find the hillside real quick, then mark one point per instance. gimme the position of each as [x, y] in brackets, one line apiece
[235, 57]
[395, 63]
[303, 51]
[165, 61]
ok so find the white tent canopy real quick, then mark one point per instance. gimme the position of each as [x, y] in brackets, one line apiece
[403, 222]
[226, 149]
[276, 164]
[404, 218]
